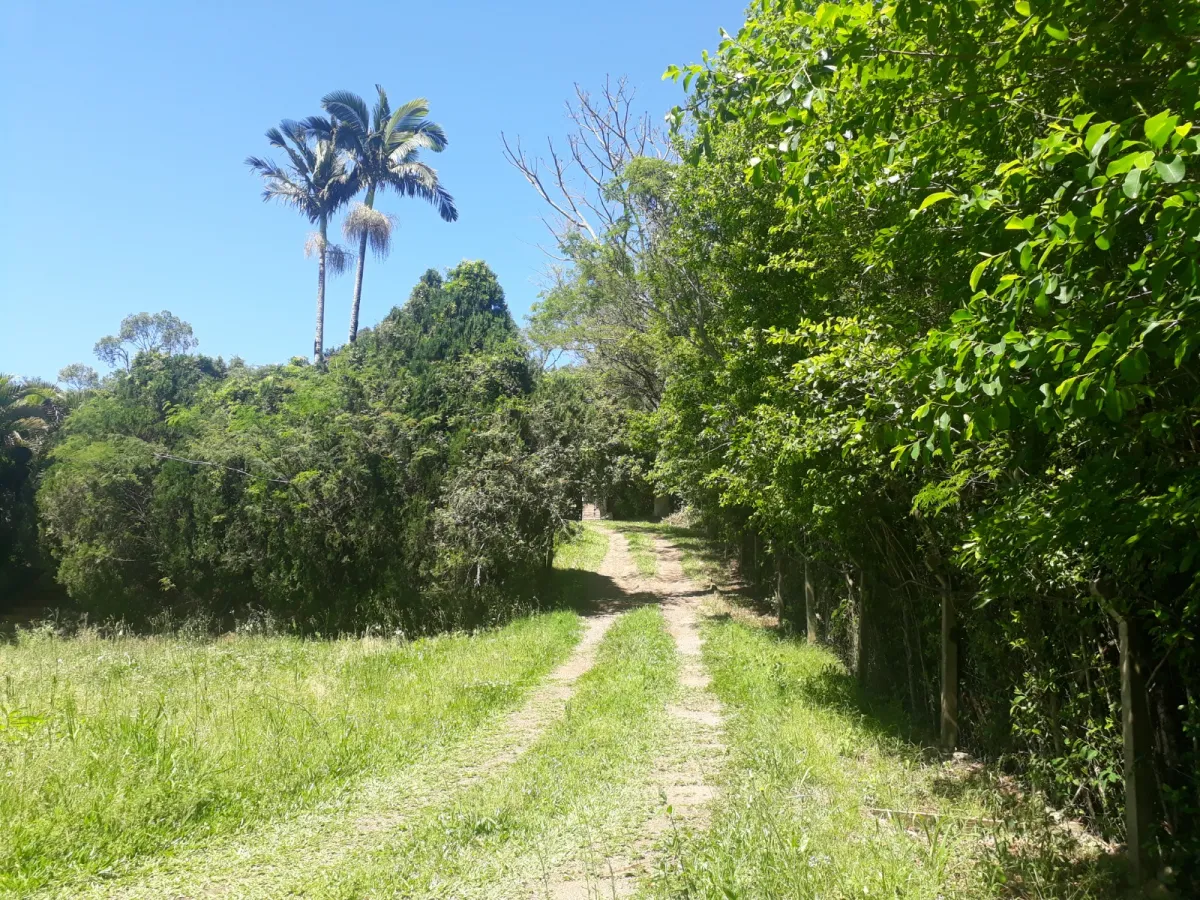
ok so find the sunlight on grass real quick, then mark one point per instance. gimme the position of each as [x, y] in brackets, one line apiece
[113, 749]
[820, 801]
[557, 800]
[585, 549]
[641, 546]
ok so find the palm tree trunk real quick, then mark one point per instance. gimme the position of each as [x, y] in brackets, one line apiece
[369, 203]
[319, 340]
[358, 275]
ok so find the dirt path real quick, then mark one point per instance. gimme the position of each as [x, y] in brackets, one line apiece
[268, 860]
[680, 788]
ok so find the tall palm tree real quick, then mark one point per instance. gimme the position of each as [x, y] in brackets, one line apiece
[385, 146]
[317, 182]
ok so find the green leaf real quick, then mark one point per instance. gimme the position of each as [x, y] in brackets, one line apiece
[1133, 184]
[1171, 172]
[1135, 366]
[1158, 128]
[1102, 242]
[978, 271]
[936, 198]
[1022, 7]
[1097, 136]
[1057, 32]
[1136, 160]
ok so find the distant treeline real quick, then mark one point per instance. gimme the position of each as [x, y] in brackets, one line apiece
[417, 479]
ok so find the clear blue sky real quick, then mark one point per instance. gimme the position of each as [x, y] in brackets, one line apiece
[127, 123]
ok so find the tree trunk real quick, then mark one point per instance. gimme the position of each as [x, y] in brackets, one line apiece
[949, 671]
[358, 277]
[1135, 727]
[810, 604]
[854, 597]
[319, 340]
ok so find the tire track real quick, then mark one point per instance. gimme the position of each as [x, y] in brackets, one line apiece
[272, 860]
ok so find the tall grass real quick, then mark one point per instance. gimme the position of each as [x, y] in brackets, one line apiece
[114, 748]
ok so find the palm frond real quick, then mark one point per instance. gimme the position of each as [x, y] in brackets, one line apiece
[383, 110]
[415, 179]
[410, 116]
[349, 109]
[409, 145]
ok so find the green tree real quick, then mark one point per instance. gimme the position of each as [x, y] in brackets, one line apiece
[161, 332]
[385, 146]
[316, 182]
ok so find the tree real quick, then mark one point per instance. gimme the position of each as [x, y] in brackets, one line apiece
[609, 192]
[78, 377]
[316, 182]
[145, 332]
[29, 410]
[385, 147]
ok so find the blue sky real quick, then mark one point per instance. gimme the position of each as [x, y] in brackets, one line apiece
[127, 124]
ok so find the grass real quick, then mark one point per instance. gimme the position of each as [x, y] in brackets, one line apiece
[114, 749]
[583, 550]
[641, 545]
[701, 559]
[804, 793]
[572, 792]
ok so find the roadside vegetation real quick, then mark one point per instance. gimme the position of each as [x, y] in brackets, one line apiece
[821, 797]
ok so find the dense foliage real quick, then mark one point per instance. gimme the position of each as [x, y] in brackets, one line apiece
[413, 481]
[921, 296]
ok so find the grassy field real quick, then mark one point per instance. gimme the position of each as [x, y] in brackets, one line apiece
[566, 798]
[112, 749]
[819, 800]
[270, 766]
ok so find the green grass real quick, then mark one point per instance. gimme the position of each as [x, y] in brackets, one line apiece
[641, 545]
[585, 549]
[807, 775]
[575, 790]
[113, 750]
[701, 559]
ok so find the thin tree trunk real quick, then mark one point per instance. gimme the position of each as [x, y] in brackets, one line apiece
[810, 604]
[949, 723]
[358, 276]
[319, 340]
[1138, 738]
[369, 203]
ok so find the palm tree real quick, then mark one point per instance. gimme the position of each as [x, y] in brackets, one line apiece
[385, 147]
[28, 409]
[317, 182]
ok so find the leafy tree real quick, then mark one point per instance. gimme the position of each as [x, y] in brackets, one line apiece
[29, 412]
[79, 377]
[317, 183]
[373, 491]
[951, 307]
[385, 147]
[145, 333]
